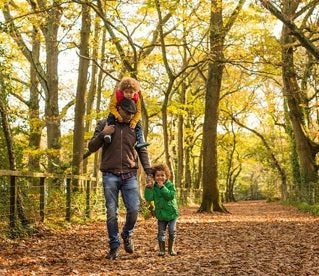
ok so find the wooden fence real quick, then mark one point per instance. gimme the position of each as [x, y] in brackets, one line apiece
[43, 176]
[185, 196]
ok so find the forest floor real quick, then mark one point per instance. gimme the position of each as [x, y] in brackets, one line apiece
[255, 238]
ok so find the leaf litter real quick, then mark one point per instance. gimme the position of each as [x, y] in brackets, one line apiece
[255, 238]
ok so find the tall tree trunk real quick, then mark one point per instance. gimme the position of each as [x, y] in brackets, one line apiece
[180, 143]
[49, 77]
[306, 149]
[36, 124]
[78, 137]
[16, 196]
[52, 114]
[217, 33]
[92, 89]
[210, 199]
[294, 160]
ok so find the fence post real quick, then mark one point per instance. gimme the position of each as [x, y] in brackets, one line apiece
[68, 200]
[88, 195]
[42, 198]
[13, 201]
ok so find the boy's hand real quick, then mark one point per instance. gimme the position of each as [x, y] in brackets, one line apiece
[132, 126]
[108, 130]
[160, 184]
[120, 119]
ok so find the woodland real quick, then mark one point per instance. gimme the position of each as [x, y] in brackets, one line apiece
[229, 91]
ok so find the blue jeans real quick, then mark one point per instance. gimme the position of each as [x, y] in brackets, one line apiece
[112, 184]
[171, 227]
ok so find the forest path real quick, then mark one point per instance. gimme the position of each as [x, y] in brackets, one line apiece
[256, 238]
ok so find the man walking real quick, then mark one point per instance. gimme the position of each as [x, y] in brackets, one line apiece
[119, 164]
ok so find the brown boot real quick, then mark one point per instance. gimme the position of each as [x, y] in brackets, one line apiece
[161, 248]
[171, 250]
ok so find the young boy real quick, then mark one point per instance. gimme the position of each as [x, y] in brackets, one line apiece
[128, 88]
[163, 193]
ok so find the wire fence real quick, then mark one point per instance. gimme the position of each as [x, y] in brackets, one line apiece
[40, 197]
[52, 198]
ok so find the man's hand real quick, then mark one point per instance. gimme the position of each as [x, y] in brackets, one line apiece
[149, 185]
[149, 180]
[108, 130]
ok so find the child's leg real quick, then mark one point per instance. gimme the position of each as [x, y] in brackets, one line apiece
[172, 236]
[140, 136]
[109, 121]
[161, 229]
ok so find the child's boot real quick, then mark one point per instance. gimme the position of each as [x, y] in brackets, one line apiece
[161, 245]
[107, 138]
[140, 139]
[171, 250]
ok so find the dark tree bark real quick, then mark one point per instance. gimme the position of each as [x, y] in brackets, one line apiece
[49, 77]
[16, 196]
[36, 125]
[305, 147]
[78, 137]
[287, 19]
[211, 198]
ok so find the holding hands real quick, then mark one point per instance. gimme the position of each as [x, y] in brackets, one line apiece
[149, 181]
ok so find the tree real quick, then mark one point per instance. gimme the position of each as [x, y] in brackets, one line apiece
[306, 148]
[217, 34]
[78, 137]
[48, 77]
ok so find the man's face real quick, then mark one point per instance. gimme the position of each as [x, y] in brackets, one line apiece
[127, 116]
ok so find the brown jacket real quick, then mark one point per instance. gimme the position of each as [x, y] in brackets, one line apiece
[120, 156]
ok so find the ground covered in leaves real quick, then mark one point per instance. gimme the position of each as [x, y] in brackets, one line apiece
[256, 238]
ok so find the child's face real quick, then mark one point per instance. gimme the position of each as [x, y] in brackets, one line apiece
[160, 177]
[129, 93]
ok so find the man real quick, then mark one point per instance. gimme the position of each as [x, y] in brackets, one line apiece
[119, 164]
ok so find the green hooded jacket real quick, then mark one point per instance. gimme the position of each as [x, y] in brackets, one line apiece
[164, 200]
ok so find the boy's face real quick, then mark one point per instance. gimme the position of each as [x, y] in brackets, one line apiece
[129, 93]
[160, 177]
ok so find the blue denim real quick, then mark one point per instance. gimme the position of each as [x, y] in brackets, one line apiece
[112, 184]
[171, 227]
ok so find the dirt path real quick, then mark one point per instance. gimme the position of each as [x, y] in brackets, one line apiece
[257, 238]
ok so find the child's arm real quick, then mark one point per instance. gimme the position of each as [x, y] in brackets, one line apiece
[138, 113]
[112, 106]
[168, 191]
[148, 194]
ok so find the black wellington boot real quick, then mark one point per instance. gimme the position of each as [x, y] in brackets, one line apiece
[161, 248]
[171, 250]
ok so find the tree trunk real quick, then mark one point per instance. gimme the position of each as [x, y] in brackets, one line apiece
[78, 137]
[180, 143]
[210, 199]
[36, 124]
[305, 147]
[16, 196]
[294, 160]
[217, 35]
[50, 31]
[92, 89]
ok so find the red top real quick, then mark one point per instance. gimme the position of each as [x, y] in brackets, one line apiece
[120, 96]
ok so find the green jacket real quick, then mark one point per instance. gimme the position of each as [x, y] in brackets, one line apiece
[164, 199]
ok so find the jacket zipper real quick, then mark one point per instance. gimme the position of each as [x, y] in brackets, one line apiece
[121, 150]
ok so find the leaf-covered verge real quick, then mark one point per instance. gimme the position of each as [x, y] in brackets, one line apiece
[256, 238]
